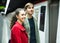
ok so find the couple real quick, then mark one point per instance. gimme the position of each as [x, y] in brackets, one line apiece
[24, 27]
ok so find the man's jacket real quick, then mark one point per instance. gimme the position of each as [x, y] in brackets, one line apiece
[27, 26]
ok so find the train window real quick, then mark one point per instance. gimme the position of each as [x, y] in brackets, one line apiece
[2, 5]
[42, 18]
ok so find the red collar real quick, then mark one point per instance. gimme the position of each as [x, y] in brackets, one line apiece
[20, 26]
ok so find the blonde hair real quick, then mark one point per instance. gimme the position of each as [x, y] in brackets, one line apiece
[28, 4]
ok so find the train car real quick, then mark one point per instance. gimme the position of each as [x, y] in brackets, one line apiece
[41, 13]
[58, 27]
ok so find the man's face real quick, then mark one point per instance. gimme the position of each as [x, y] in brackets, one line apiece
[30, 9]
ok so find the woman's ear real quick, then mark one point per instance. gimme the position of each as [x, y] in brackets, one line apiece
[16, 16]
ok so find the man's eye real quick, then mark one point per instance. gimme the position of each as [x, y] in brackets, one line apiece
[23, 14]
[32, 7]
[29, 7]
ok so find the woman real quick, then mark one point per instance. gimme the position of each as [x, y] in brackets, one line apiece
[18, 32]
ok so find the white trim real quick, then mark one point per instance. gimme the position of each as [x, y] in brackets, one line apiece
[58, 27]
[7, 4]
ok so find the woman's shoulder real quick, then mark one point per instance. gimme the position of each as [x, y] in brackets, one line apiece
[14, 27]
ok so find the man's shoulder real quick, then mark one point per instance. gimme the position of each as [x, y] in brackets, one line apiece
[35, 18]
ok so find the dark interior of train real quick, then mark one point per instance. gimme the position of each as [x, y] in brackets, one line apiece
[14, 4]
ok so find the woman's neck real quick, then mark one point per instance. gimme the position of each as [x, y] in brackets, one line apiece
[19, 22]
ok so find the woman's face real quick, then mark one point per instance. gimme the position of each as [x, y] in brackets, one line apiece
[21, 16]
[30, 9]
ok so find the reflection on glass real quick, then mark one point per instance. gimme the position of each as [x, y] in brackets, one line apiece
[42, 17]
[2, 4]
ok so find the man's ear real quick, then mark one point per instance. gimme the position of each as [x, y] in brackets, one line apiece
[26, 12]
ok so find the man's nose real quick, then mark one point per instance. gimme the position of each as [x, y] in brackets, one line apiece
[24, 16]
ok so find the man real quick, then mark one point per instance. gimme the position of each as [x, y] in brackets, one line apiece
[31, 24]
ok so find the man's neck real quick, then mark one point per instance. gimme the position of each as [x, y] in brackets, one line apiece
[29, 16]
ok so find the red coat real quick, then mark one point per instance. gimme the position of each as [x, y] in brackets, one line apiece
[18, 34]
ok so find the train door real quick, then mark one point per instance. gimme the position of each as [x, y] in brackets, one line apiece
[58, 27]
[41, 13]
[1, 26]
[53, 20]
